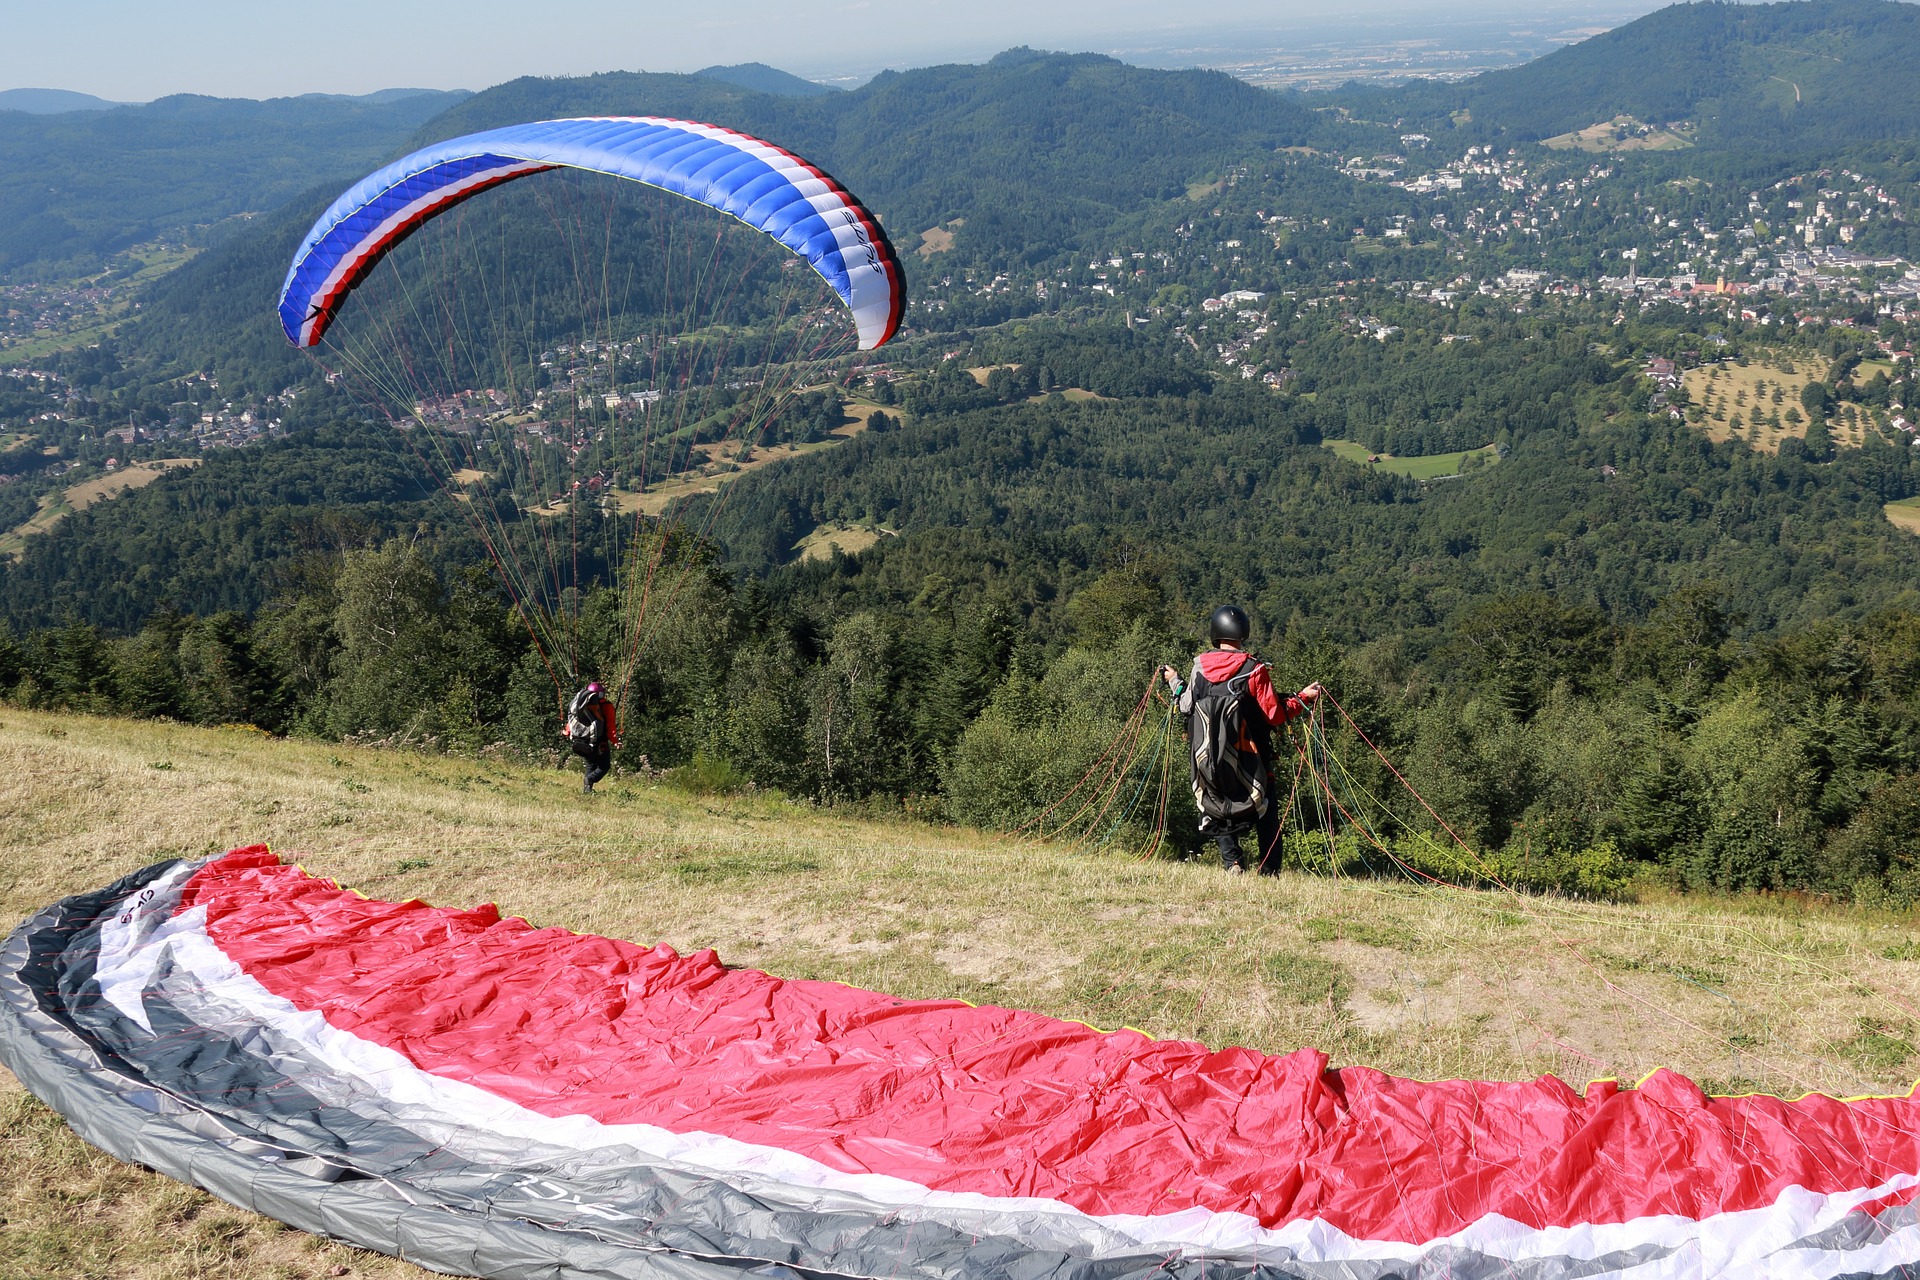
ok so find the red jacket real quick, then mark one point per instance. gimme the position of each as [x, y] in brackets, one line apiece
[1222, 665]
[603, 707]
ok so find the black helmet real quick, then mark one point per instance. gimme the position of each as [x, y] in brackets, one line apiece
[1229, 622]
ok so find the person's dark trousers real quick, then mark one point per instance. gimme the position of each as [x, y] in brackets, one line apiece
[597, 765]
[1267, 830]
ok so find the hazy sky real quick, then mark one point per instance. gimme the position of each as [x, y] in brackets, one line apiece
[133, 50]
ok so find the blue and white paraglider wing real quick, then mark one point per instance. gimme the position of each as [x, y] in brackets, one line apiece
[769, 189]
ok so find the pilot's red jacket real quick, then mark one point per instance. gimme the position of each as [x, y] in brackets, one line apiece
[1222, 665]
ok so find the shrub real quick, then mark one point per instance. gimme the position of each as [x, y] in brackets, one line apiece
[1596, 871]
[709, 776]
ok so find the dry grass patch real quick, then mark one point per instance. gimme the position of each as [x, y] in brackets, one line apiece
[1864, 371]
[1421, 981]
[721, 462]
[1622, 133]
[1432, 466]
[939, 239]
[1905, 514]
[136, 475]
[1078, 395]
[838, 535]
[1759, 402]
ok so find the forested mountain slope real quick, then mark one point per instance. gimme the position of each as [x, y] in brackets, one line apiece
[1004, 490]
[1030, 503]
[1803, 74]
[223, 535]
[104, 180]
[1031, 147]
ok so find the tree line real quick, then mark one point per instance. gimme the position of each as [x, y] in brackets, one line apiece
[1570, 751]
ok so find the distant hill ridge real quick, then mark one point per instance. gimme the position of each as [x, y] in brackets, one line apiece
[49, 102]
[1076, 135]
[762, 78]
[103, 180]
[1805, 74]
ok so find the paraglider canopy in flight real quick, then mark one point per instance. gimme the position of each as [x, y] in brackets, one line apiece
[769, 189]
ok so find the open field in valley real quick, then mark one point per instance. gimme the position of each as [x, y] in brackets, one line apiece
[1433, 466]
[1752, 401]
[57, 506]
[848, 539]
[722, 462]
[1622, 133]
[1905, 513]
[96, 323]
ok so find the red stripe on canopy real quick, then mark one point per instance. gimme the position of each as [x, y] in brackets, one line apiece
[1006, 1103]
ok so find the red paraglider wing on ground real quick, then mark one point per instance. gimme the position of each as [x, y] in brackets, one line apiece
[1004, 1103]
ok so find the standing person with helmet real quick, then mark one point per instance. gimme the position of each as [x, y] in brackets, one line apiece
[592, 731]
[1232, 711]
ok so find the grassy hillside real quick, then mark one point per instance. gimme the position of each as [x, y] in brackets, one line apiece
[1432, 981]
[1432, 466]
[61, 503]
